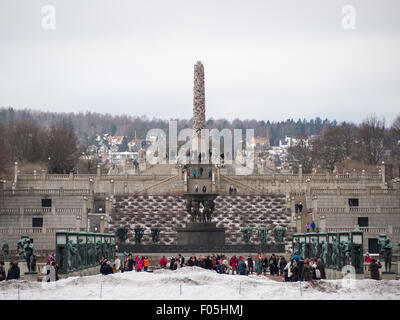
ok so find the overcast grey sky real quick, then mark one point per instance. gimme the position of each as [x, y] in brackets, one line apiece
[264, 60]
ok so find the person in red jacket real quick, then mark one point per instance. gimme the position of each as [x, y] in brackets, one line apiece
[233, 264]
[140, 263]
[368, 258]
[163, 262]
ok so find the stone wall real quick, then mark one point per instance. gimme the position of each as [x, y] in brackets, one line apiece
[231, 212]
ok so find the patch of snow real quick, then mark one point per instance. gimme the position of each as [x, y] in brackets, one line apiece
[193, 283]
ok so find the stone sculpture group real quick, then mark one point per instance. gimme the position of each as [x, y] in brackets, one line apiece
[200, 211]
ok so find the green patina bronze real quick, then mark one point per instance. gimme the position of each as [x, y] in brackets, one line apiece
[314, 248]
[5, 250]
[387, 254]
[296, 245]
[263, 235]
[82, 250]
[155, 234]
[324, 252]
[139, 232]
[25, 249]
[122, 233]
[246, 234]
[335, 254]
[279, 234]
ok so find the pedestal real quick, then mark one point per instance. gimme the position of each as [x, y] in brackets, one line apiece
[201, 234]
[388, 276]
[31, 276]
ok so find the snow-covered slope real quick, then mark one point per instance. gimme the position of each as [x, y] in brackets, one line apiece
[195, 283]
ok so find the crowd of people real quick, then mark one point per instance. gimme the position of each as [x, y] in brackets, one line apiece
[296, 269]
[293, 270]
[130, 263]
[13, 272]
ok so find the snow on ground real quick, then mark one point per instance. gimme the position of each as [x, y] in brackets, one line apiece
[195, 283]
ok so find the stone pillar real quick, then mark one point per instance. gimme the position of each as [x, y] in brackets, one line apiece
[43, 174]
[84, 214]
[383, 173]
[199, 106]
[91, 186]
[71, 176]
[98, 170]
[15, 171]
[112, 187]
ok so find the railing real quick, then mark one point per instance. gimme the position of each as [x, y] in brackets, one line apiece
[28, 192]
[68, 210]
[327, 210]
[53, 230]
[21, 231]
[347, 210]
[376, 230]
[9, 210]
[36, 210]
[363, 210]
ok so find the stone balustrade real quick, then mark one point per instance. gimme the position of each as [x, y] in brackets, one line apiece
[374, 230]
[30, 231]
[358, 210]
[36, 192]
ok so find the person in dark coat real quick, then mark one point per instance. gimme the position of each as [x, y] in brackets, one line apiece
[13, 271]
[264, 265]
[208, 263]
[273, 265]
[172, 264]
[250, 264]
[321, 268]
[374, 268]
[130, 263]
[282, 265]
[307, 271]
[242, 267]
[295, 271]
[300, 264]
[103, 264]
[2, 272]
[106, 268]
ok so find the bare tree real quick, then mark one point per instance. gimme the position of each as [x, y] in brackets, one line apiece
[27, 139]
[370, 140]
[334, 145]
[62, 148]
[302, 153]
[396, 127]
[5, 155]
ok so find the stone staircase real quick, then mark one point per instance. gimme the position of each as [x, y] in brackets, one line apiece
[160, 169]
